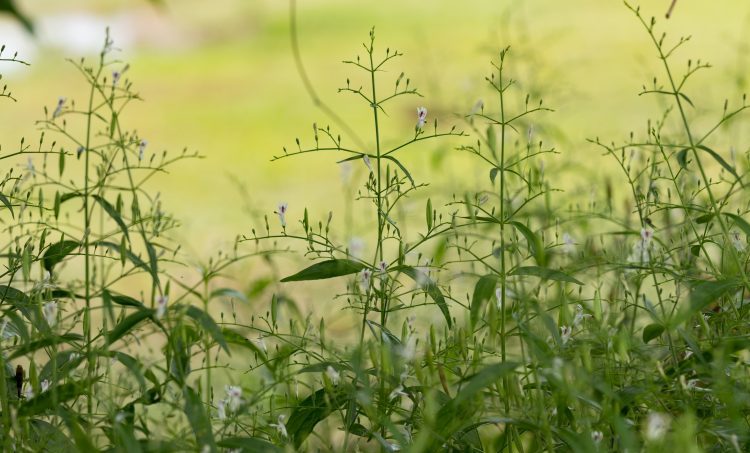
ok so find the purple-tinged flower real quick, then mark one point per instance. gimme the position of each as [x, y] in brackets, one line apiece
[365, 277]
[161, 306]
[565, 332]
[141, 148]
[597, 436]
[60, 105]
[421, 117]
[283, 206]
[234, 397]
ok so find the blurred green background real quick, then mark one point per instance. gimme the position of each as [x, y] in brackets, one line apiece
[219, 77]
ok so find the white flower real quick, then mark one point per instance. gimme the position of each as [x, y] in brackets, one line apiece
[383, 266]
[30, 166]
[120, 417]
[356, 247]
[597, 436]
[397, 392]
[646, 235]
[280, 426]
[333, 375]
[221, 410]
[569, 245]
[29, 393]
[580, 315]
[80, 151]
[565, 332]
[640, 252]
[421, 117]
[409, 350]
[366, 160]
[45, 385]
[365, 278]
[261, 343]
[283, 206]
[737, 241]
[116, 77]
[141, 148]
[161, 306]
[234, 397]
[478, 107]
[393, 447]
[509, 295]
[58, 109]
[50, 313]
[346, 172]
[657, 425]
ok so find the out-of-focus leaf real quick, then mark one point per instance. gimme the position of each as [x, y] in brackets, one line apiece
[483, 290]
[548, 274]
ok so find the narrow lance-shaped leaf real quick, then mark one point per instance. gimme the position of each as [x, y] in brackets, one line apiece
[112, 212]
[199, 420]
[326, 269]
[208, 324]
[429, 287]
[7, 204]
[483, 290]
[536, 248]
[127, 324]
[57, 252]
[547, 274]
[313, 409]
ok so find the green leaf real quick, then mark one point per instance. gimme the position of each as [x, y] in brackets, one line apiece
[208, 324]
[35, 345]
[326, 269]
[401, 166]
[313, 409]
[112, 212]
[80, 438]
[740, 222]
[237, 339]
[428, 214]
[199, 420]
[50, 400]
[544, 273]
[228, 292]
[127, 301]
[48, 438]
[702, 294]
[249, 445]
[536, 248]
[128, 324]
[483, 290]
[720, 160]
[493, 174]
[652, 331]
[7, 204]
[57, 252]
[481, 380]
[430, 287]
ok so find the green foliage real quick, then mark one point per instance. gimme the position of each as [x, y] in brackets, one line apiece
[510, 317]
